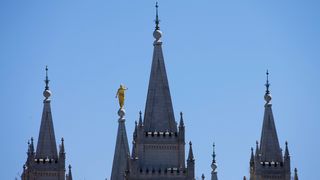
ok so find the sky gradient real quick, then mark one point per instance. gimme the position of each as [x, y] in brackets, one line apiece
[216, 55]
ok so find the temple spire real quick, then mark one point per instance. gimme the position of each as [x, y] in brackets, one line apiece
[121, 150]
[159, 114]
[157, 21]
[46, 146]
[269, 144]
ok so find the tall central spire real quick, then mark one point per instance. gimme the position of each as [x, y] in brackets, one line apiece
[46, 146]
[159, 110]
[269, 144]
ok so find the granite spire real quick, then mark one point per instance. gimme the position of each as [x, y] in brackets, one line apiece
[46, 147]
[45, 162]
[121, 150]
[159, 114]
[269, 144]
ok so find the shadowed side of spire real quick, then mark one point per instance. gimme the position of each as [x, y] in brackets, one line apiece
[269, 145]
[46, 146]
[159, 114]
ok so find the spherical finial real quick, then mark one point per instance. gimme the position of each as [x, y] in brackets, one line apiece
[213, 166]
[47, 94]
[157, 34]
[121, 112]
[267, 97]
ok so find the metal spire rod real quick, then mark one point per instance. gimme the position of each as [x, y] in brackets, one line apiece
[157, 21]
[267, 83]
[47, 80]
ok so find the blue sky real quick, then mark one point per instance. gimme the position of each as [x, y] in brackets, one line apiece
[216, 55]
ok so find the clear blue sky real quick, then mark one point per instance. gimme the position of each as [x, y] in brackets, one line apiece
[216, 54]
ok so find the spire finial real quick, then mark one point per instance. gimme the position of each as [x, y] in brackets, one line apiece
[47, 80]
[267, 96]
[267, 83]
[47, 92]
[213, 153]
[157, 21]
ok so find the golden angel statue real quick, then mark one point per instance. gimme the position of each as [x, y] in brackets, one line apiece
[120, 95]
